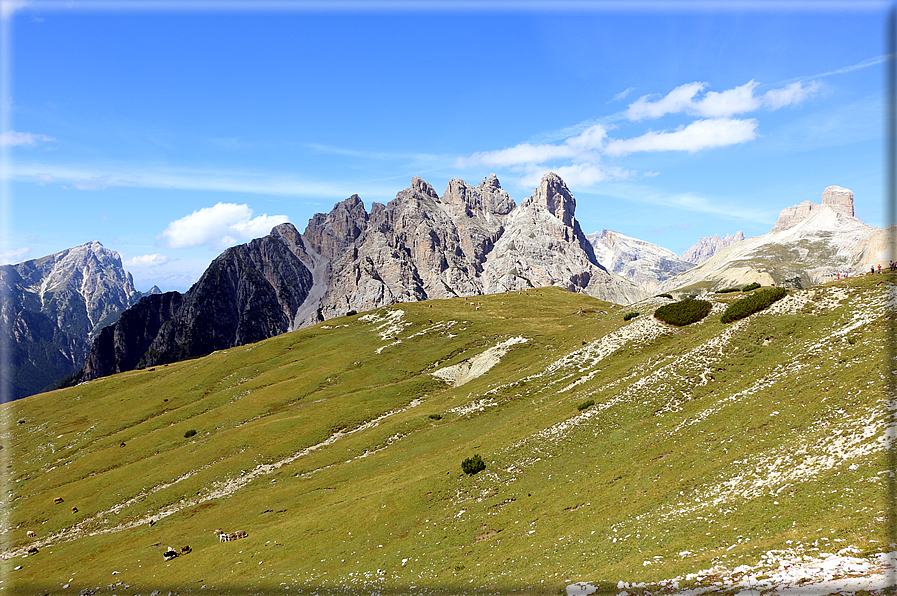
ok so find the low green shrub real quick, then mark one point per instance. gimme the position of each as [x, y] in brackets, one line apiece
[749, 287]
[727, 290]
[585, 405]
[630, 315]
[351, 313]
[685, 312]
[189, 433]
[435, 416]
[664, 295]
[753, 303]
[473, 465]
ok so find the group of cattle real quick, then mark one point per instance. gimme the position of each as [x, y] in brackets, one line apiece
[225, 537]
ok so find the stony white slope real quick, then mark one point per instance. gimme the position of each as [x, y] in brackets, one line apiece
[706, 247]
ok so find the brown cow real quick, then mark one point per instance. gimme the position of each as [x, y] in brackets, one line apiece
[74, 510]
[57, 500]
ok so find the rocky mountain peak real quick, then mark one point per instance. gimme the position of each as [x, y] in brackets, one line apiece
[423, 187]
[708, 246]
[838, 198]
[554, 194]
[330, 234]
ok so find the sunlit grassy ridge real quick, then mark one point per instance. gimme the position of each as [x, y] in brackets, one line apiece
[707, 445]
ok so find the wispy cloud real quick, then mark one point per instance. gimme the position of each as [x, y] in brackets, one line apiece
[622, 94]
[153, 260]
[22, 139]
[699, 135]
[718, 206]
[99, 177]
[691, 99]
[588, 141]
[218, 227]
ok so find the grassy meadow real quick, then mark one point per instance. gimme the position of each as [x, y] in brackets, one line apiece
[339, 451]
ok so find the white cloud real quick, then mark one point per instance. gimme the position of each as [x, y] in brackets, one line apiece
[738, 100]
[789, 95]
[13, 256]
[622, 94]
[581, 145]
[218, 227]
[677, 100]
[701, 134]
[43, 178]
[22, 139]
[153, 260]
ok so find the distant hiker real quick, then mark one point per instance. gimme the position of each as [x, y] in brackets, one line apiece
[873, 268]
[879, 269]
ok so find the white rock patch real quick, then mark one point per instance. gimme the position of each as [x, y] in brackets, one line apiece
[477, 366]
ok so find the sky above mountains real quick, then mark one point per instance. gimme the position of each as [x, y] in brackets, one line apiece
[169, 131]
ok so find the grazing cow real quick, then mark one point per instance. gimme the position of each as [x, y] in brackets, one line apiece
[185, 549]
[152, 522]
[241, 534]
[74, 510]
[169, 554]
[232, 536]
[32, 550]
[222, 536]
[31, 534]
[57, 500]
[122, 444]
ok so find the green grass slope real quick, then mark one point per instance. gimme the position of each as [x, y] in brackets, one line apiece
[707, 446]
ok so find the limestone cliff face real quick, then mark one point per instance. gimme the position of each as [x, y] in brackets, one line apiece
[52, 309]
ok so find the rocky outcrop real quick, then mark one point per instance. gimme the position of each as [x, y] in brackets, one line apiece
[836, 198]
[472, 240]
[52, 309]
[641, 262]
[705, 248]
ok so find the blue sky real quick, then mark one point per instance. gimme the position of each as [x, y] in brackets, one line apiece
[169, 133]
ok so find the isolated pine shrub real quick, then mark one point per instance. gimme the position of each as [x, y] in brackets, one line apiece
[753, 303]
[351, 313]
[585, 405]
[685, 312]
[473, 465]
[727, 290]
[664, 295]
[630, 315]
[189, 433]
[435, 416]
[749, 287]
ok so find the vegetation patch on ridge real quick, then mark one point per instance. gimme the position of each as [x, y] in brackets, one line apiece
[685, 312]
[754, 303]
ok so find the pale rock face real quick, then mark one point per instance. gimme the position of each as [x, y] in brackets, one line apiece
[641, 262]
[838, 198]
[706, 247]
[470, 241]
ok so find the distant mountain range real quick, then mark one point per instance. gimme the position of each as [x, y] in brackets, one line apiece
[470, 241]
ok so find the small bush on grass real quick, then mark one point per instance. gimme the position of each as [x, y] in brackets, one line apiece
[435, 416]
[189, 433]
[473, 465]
[585, 405]
[630, 315]
[351, 313]
[749, 287]
[753, 303]
[727, 290]
[685, 312]
[664, 295]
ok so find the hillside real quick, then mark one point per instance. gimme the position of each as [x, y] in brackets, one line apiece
[337, 448]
